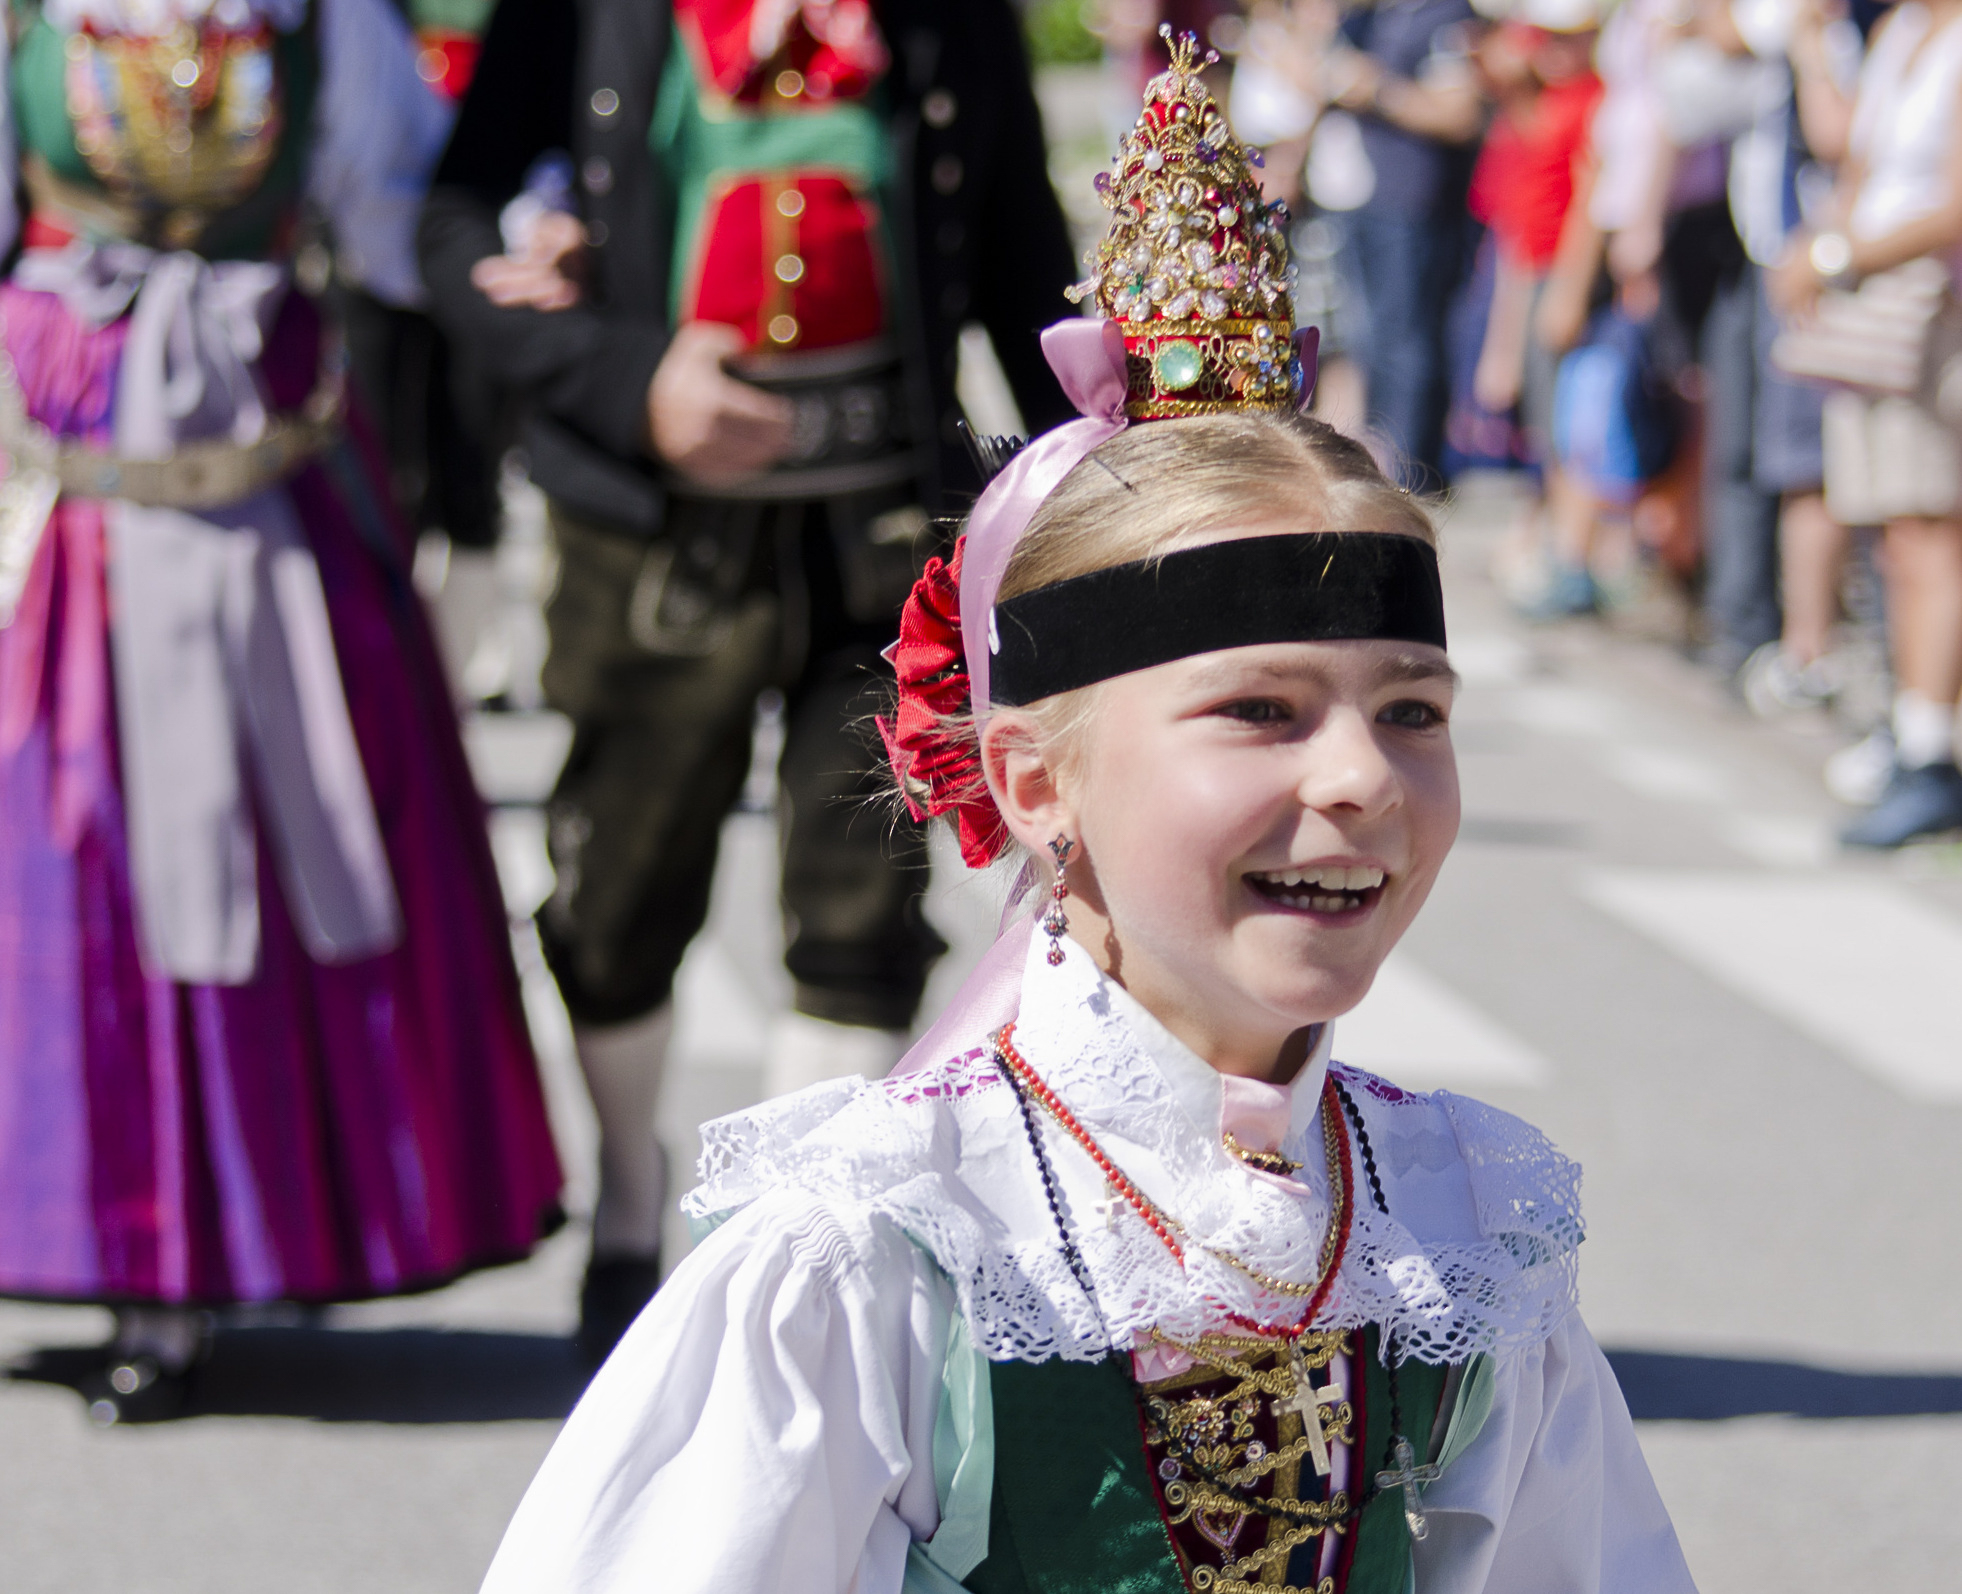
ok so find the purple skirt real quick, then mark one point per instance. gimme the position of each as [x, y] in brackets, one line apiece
[320, 1133]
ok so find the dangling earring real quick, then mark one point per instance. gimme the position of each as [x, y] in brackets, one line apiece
[1055, 923]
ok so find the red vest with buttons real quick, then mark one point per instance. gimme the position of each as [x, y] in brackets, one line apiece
[785, 242]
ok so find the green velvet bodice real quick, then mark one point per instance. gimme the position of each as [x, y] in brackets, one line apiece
[1076, 1510]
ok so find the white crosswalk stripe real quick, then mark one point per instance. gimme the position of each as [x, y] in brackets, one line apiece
[1414, 1029]
[1860, 965]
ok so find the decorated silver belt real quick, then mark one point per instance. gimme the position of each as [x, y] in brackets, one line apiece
[202, 475]
[207, 474]
[850, 429]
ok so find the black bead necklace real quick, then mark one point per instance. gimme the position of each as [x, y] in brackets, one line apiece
[1080, 1271]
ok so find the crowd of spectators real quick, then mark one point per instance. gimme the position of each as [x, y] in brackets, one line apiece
[1686, 266]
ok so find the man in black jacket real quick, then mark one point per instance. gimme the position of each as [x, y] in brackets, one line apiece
[737, 337]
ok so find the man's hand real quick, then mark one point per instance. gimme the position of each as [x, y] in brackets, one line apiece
[704, 422]
[545, 276]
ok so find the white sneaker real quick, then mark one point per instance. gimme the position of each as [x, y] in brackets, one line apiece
[805, 1050]
[1774, 683]
[1858, 775]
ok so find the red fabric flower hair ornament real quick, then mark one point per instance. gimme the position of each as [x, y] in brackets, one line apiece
[938, 767]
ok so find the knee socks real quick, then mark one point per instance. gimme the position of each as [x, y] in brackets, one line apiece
[1924, 731]
[623, 1064]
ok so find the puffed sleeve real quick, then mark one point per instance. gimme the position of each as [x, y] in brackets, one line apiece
[1553, 1495]
[766, 1425]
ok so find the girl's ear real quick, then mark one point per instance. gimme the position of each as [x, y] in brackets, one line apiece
[1024, 781]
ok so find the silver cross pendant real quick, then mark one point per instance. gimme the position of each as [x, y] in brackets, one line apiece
[1406, 1476]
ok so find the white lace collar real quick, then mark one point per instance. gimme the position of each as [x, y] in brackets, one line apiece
[1193, 1082]
[1476, 1254]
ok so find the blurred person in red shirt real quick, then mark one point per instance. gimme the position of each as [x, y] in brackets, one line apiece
[1538, 70]
[1524, 182]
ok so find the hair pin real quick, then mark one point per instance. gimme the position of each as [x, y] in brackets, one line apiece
[1099, 459]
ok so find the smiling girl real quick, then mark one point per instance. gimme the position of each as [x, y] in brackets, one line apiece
[1122, 1283]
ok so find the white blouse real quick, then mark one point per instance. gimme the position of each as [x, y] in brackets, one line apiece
[803, 1408]
[1904, 121]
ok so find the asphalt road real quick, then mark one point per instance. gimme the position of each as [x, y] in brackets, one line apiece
[1645, 942]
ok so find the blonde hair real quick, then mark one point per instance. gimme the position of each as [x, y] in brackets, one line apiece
[1167, 485]
[1156, 488]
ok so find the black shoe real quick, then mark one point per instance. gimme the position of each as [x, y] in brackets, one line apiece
[69, 1366]
[116, 1388]
[1917, 802]
[135, 1389]
[616, 1288]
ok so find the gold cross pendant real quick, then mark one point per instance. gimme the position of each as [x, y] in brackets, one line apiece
[1307, 1402]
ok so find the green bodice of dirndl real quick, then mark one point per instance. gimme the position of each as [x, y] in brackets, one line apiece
[232, 192]
[1080, 1502]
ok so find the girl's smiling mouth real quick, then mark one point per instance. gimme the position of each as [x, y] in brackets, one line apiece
[1321, 888]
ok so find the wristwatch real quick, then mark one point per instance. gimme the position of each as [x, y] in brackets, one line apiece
[1831, 255]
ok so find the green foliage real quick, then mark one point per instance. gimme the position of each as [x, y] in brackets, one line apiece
[461, 16]
[1059, 33]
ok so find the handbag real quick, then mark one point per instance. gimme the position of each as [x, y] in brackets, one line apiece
[1892, 335]
[1616, 421]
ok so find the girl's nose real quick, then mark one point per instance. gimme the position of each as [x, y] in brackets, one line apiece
[1344, 766]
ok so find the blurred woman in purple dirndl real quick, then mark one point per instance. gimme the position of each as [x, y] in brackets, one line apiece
[260, 1033]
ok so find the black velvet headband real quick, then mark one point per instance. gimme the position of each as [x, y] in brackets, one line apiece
[1322, 586]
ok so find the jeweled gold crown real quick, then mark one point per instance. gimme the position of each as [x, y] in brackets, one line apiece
[1195, 266]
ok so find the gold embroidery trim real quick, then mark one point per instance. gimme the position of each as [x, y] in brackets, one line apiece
[1214, 1429]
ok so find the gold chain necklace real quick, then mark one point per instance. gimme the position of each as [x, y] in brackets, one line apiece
[1165, 1226]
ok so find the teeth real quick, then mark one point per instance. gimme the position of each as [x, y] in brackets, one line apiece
[1328, 877]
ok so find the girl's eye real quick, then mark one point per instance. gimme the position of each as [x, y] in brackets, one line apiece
[1412, 714]
[1256, 711]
